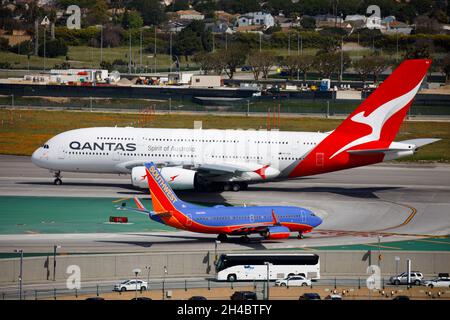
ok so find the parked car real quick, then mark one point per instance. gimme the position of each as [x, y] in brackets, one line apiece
[95, 299]
[197, 298]
[142, 299]
[130, 285]
[244, 295]
[439, 282]
[401, 298]
[309, 296]
[246, 68]
[333, 297]
[416, 278]
[293, 281]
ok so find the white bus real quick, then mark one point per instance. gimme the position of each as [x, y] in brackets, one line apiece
[232, 267]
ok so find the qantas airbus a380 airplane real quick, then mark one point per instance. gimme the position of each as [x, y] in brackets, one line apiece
[232, 159]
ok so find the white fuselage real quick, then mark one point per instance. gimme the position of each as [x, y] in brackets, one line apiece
[118, 150]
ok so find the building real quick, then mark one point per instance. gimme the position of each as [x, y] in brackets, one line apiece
[189, 15]
[206, 81]
[266, 20]
[15, 36]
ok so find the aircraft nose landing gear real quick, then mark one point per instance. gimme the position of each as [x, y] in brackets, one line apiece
[58, 177]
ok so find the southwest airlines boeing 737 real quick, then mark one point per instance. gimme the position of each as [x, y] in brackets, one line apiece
[232, 159]
[275, 222]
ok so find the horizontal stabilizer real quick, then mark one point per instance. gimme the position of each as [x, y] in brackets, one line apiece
[420, 142]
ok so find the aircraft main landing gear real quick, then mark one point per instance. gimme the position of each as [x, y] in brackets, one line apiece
[244, 239]
[222, 237]
[300, 236]
[57, 180]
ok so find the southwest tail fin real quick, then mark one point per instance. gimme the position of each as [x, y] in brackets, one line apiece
[373, 125]
[163, 198]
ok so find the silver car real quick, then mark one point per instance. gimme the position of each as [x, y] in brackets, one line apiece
[416, 278]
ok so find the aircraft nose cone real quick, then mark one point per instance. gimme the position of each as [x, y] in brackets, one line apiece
[37, 157]
[317, 221]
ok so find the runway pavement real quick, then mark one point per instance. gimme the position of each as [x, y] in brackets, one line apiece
[396, 201]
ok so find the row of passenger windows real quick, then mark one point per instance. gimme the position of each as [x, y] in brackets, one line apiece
[89, 153]
[198, 140]
[245, 217]
[115, 138]
[173, 155]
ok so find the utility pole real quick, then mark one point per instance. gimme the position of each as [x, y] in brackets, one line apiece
[260, 38]
[140, 53]
[289, 44]
[20, 272]
[129, 52]
[101, 43]
[171, 61]
[342, 59]
[155, 48]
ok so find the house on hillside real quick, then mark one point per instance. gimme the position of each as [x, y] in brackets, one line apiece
[263, 19]
[189, 15]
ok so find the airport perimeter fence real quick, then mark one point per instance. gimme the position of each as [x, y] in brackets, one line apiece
[186, 285]
[261, 106]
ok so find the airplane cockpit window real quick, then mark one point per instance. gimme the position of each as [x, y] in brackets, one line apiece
[46, 146]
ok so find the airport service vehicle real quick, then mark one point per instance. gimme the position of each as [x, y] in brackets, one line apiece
[233, 267]
[244, 295]
[309, 296]
[232, 159]
[271, 222]
[415, 278]
[295, 281]
[131, 285]
[440, 282]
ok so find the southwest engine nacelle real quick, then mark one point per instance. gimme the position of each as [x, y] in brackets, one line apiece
[277, 232]
[178, 178]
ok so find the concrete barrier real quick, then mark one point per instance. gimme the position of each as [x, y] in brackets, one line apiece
[201, 264]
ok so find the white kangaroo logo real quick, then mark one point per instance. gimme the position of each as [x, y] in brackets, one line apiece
[378, 118]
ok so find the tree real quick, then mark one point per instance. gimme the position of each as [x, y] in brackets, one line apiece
[151, 11]
[378, 64]
[308, 23]
[261, 62]
[98, 14]
[239, 6]
[53, 48]
[363, 68]
[205, 61]
[445, 67]
[305, 64]
[131, 19]
[232, 58]
[421, 49]
[112, 36]
[327, 64]
[187, 43]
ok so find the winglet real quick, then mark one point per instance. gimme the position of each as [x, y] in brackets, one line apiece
[275, 218]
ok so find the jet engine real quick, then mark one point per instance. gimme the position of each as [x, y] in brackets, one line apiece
[178, 178]
[277, 232]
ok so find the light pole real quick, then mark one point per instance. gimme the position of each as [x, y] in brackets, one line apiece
[20, 271]
[148, 268]
[171, 61]
[45, 22]
[136, 272]
[129, 52]
[164, 282]
[342, 59]
[216, 244]
[101, 41]
[267, 291]
[54, 260]
[397, 261]
[155, 47]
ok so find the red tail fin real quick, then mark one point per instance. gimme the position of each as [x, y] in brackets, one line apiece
[374, 124]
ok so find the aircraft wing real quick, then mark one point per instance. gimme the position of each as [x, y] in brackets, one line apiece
[252, 229]
[221, 168]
